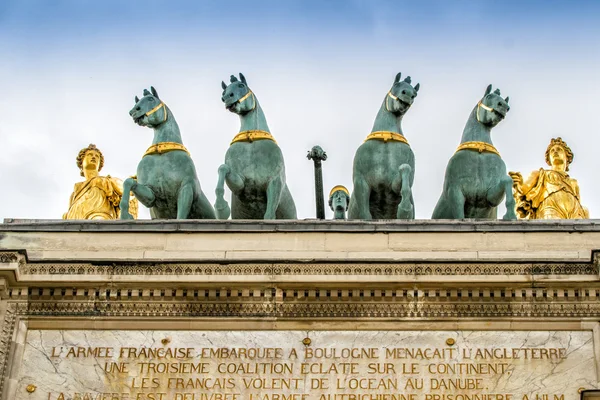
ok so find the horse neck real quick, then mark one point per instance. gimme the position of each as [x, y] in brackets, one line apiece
[168, 131]
[386, 121]
[475, 131]
[254, 120]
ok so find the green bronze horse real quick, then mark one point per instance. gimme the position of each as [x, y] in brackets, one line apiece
[254, 169]
[476, 180]
[166, 180]
[384, 165]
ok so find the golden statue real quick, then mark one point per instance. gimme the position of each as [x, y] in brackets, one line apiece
[97, 197]
[549, 193]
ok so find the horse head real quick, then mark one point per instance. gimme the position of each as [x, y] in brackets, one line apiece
[237, 96]
[492, 108]
[401, 95]
[149, 110]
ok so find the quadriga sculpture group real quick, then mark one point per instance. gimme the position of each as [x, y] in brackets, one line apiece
[475, 183]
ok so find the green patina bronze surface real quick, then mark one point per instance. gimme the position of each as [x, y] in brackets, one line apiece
[318, 155]
[254, 169]
[338, 202]
[476, 180]
[383, 171]
[166, 182]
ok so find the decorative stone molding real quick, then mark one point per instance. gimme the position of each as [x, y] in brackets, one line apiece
[6, 336]
[390, 269]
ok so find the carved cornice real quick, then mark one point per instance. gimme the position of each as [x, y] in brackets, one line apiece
[346, 269]
[11, 256]
[6, 335]
[313, 303]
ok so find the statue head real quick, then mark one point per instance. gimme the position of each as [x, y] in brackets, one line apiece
[558, 154]
[237, 96]
[90, 159]
[401, 96]
[492, 108]
[150, 110]
[339, 198]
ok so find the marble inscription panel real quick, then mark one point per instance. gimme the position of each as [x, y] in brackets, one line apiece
[300, 365]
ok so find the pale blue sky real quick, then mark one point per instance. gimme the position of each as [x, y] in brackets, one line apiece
[70, 69]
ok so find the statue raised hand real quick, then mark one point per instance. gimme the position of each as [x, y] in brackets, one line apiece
[98, 197]
[550, 193]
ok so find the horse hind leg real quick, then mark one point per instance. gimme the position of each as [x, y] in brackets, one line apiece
[202, 208]
[287, 207]
[185, 198]
[406, 209]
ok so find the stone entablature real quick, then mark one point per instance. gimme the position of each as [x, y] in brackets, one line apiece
[301, 275]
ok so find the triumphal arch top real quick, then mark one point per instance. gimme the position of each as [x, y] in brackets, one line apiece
[299, 310]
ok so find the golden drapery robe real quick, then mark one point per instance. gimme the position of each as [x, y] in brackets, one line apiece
[551, 195]
[98, 198]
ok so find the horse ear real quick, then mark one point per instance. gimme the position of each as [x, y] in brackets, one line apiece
[243, 79]
[506, 99]
[488, 90]
[137, 100]
[223, 85]
[408, 80]
[154, 92]
[233, 79]
[497, 91]
[417, 87]
[398, 76]
[146, 92]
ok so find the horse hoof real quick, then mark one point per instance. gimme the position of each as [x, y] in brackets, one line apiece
[509, 217]
[222, 209]
[405, 214]
[405, 211]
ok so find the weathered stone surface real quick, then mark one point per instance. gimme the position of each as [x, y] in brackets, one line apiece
[336, 365]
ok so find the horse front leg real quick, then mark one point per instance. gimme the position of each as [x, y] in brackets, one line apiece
[144, 194]
[235, 183]
[274, 191]
[510, 203]
[497, 193]
[406, 210]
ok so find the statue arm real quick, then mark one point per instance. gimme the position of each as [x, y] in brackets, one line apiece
[575, 186]
[531, 181]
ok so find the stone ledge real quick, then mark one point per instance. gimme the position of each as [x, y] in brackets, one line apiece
[307, 225]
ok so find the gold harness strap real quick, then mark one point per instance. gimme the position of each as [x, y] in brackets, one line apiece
[386, 100]
[251, 136]
[486, 108]
[158, 107]
[387, 136]
[246, 97]
[479, 146]
[165, 147]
